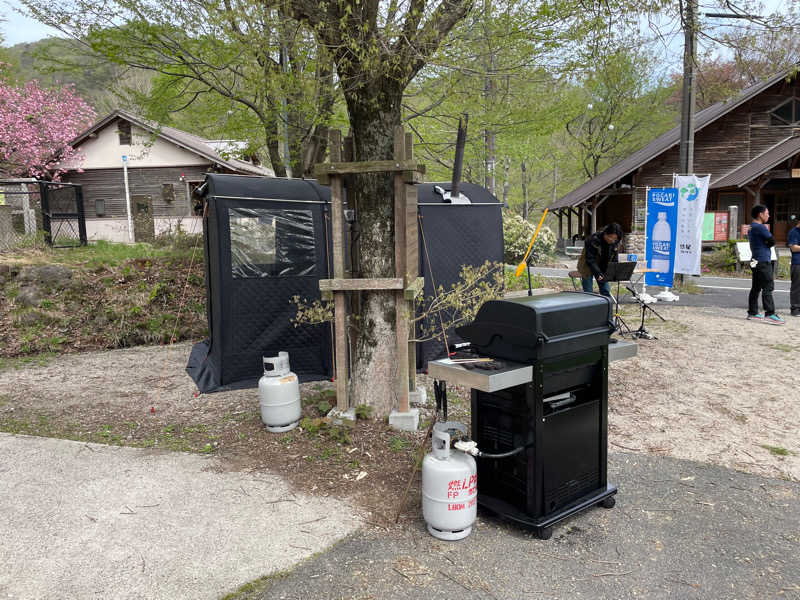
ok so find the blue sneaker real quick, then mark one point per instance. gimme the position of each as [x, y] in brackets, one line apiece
[755, 317]
[774, 320]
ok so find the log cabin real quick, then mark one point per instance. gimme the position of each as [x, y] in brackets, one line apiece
[750, 145]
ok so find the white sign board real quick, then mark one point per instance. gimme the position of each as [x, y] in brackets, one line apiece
[746, 255]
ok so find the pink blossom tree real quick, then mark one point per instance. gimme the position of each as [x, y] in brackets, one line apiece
[36, 127]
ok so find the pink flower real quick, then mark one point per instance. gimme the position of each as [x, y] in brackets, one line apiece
[36, 126]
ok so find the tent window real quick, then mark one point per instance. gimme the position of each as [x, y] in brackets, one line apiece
[269, 242]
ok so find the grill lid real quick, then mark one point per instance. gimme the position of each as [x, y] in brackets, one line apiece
[531, 327]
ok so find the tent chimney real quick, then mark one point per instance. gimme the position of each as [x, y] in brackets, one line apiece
[461, 141]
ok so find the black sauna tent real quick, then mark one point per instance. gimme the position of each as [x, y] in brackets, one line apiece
[268, 239]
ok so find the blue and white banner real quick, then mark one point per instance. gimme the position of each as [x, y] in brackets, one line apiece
[692, 193]
[662, 228]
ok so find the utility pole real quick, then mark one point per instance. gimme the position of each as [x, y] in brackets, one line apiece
[690, 28]
[490, 87]
[524, 190]
[688, 95]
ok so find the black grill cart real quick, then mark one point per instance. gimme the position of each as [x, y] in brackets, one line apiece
[548, 393]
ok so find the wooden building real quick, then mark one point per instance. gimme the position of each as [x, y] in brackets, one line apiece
[164, 166]
[750, 145]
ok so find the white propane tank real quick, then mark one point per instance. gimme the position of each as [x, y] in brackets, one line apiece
[279, 394]
[449, 488]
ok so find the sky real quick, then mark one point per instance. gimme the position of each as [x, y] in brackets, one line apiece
[18, 29]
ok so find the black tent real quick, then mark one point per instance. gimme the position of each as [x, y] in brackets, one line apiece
[268, 239]
[453, 235]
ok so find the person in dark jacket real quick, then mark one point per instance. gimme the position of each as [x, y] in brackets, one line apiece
[793, 241]
[761, 241]
[601, 248]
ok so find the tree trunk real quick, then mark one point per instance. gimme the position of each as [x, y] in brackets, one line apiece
[374, 112]
[272, 136]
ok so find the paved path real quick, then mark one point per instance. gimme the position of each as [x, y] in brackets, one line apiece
[727, 292]
[84, 521]
[679, 530]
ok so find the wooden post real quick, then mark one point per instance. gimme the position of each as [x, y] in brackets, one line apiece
[569, 225]
[412, 259]
[401, 306]
[339, 298]
[405, 284]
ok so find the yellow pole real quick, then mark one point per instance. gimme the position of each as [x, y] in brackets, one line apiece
[521, 266]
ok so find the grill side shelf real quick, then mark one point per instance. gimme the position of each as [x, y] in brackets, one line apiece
[512, 374]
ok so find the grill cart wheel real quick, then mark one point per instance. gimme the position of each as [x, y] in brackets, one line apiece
[608, 502]
[545, 533]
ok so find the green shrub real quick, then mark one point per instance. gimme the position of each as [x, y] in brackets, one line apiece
[723, 258]
[517, 234]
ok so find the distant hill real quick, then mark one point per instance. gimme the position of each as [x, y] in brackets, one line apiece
[57, 60]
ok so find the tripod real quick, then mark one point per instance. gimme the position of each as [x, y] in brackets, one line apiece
[620, 272]
[642, 332]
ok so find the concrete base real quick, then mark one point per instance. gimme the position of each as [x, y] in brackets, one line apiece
[418, 397]
[338, 417]
[404, 421]
[622, 350]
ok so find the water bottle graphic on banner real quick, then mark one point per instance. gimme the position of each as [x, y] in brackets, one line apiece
[661, 238]
[661, 230]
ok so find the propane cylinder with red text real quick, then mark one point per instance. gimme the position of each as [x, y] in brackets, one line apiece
[279, 394]
[449, 487]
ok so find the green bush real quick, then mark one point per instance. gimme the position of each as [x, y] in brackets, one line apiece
[517, 234]
[723, 258]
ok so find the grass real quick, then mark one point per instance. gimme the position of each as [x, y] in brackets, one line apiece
[120, 295]
[780, 347]
[398, 444]
[513, 283]
[777, 450]
[174, 437]
[254, 590]
[20, 362]
[687, 286]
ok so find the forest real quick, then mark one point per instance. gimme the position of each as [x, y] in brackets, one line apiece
[551, 99]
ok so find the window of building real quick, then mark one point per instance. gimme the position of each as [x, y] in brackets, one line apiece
[168, 193]
[100, 207]
[781, 209]
[124, 130]
[787, 113]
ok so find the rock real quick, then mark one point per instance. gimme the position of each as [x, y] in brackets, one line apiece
[30, 318]
[8, 272]
[54, 276]
[29, 295]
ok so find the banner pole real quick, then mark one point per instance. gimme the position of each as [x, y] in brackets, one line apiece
[646, 208]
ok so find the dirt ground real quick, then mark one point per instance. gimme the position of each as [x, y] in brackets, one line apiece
[713, 388]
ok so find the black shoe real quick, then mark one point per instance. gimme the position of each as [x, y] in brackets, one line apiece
[795, 313]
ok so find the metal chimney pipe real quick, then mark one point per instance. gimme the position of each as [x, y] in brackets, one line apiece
[458, 163]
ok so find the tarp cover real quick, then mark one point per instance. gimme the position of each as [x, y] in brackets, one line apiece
[451, 236]
[268, 240]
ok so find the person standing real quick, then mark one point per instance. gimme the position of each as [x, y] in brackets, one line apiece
[761, 241]
[601, 248]
[793, 241]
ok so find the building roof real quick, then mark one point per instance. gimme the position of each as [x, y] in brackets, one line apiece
[183, 139]
[760, 164]
[663, 143]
